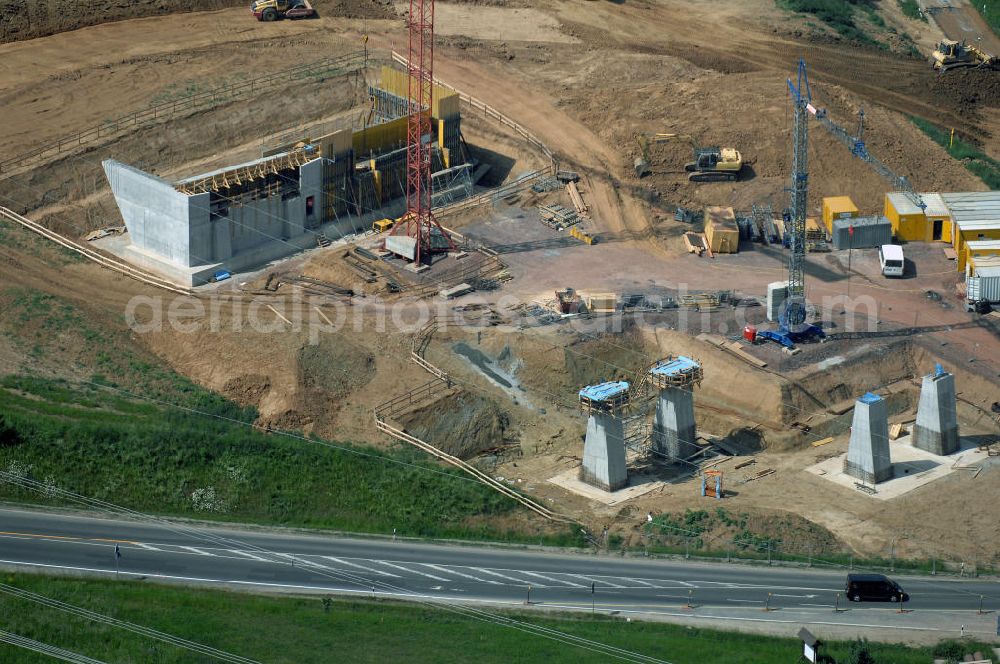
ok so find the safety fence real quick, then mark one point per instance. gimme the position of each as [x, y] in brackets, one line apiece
[428, 392]
[662, 539]
[494, 114]
[97, 257]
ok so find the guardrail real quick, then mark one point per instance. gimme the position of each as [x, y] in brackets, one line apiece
[340, 65]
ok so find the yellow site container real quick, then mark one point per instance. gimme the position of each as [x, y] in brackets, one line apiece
[909, 223]
[838, 207]
[721, 231]
[603, 302]
[977, 249]
[938, 218]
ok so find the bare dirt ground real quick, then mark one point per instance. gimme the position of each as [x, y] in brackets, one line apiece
[584, 77]
[960, 21]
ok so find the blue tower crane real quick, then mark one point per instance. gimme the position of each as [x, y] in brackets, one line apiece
[792, 323]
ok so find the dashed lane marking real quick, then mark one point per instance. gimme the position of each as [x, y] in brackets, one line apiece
[520, 582]
[367, 569]
[413, 571]
[456, 572]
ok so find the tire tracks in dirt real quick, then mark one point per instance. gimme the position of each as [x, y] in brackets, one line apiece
[572, 141]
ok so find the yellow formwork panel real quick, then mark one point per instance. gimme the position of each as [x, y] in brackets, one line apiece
[445, 102]
[339, 142]
[377, 180]
[380, 137]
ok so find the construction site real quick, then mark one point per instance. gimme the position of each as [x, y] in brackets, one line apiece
[609, 275]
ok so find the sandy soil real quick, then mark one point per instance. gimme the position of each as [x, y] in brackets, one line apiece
[583, 78]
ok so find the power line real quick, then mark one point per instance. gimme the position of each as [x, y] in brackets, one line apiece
[46, 649]
[363, 582]
[80, 612]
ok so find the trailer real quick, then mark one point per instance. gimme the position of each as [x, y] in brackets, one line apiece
[982, 288]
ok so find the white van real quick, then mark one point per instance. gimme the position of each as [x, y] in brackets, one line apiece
[890, 257]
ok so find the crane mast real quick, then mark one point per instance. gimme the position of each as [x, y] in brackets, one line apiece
[420, 223]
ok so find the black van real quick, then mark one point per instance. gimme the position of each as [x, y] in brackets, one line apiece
[875, 587]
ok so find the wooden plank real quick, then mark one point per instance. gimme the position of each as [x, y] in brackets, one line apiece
[895, 431]
[746, 463]
[825, 441]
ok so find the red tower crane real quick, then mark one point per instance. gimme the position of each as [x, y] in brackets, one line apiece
[419, 222]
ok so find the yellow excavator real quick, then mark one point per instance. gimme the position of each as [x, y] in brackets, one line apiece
[710, 164]
[951, 54]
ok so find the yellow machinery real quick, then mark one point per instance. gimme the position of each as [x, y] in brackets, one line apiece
[709, 165]
[382, 225]
[951, 54]
[272, 10]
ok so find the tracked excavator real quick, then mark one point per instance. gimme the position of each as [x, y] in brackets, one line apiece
[711, 164]
[951, 54]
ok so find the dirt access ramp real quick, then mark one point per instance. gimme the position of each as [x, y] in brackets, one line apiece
[960, 21]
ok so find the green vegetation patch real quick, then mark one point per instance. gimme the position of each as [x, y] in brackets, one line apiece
[841, 15]
[990, 9]
[15, 236]
[911, 9]
[295, 630]
[157, 459]
[985, 167]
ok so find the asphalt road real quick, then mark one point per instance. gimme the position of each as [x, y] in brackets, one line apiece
[668, 589]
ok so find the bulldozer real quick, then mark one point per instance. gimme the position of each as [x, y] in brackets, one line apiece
[272, 10]
[711, 164]
[951, 54]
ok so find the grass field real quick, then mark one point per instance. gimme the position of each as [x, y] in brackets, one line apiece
[301, 630]
[841, 15]
[160, 460]
[93, 437]
[990, 9]
[985, 167]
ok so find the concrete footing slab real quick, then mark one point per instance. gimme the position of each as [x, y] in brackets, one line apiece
[912, 467]
[638, 485]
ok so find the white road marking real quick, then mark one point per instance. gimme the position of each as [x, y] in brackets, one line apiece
[448, 570]
[149, 547]
[795, 596]
[412, 595]
[822, 606]
[746, 601]
[248, 555]
[596, 579]
[367, 569]
[199, 551]
[520, 582]
[414, 571]
[302, 561]
[549, 578]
